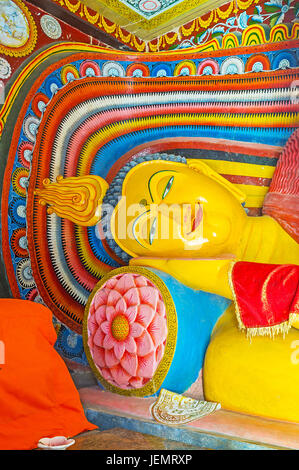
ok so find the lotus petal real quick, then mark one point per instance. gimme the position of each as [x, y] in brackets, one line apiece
[149, 295]
[121, 306]
[124, 283]
[158, 330]
[132, 297]
[145, 344]
[100, 314]
[120, 376]
[131, 313]
[130, 345]
[100, 298]
[145, 315]
[110, 358]
[130, 363]
[119, 349]
[113, 297]
[99, 337]
[147, 366]
[136, 330]
[140, 281]
[99, 356]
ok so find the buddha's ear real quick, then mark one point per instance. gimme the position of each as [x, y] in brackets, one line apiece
[76, 198]
[204, 169]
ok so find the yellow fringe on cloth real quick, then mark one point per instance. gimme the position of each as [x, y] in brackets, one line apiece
[281, 328]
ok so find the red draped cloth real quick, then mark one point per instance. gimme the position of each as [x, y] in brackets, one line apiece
[282, 200]
[266, 296]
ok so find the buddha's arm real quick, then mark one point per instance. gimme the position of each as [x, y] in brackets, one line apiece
[210, 275]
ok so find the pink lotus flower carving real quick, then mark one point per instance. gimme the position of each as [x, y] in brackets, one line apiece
[127, 330]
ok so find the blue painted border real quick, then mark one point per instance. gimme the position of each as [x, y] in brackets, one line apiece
[181, 434]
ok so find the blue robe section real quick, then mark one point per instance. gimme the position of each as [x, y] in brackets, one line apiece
[197, 313]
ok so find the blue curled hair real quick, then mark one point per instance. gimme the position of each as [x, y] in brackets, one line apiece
[113, 195]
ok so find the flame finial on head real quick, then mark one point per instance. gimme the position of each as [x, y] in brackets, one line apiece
[75, 198]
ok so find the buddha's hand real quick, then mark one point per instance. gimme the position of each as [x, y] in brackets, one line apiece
[209, 275]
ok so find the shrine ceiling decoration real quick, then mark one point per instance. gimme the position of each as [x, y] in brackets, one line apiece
[215, 22]
[151, 18]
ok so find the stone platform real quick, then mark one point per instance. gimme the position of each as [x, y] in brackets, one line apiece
[124, 439]
[223, 430]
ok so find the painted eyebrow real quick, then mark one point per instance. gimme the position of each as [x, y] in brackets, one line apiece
[133, 228]
[149, 181]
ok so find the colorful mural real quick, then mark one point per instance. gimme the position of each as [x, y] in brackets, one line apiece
[24, 29]
[150, 8]
[18, 33]
[101, 122]
[220, 90]
[218, 23]
[268, 14]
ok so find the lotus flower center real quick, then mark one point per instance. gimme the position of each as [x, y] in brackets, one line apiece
[120, 328]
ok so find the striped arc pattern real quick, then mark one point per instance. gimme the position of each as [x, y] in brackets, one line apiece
[95, 125]
[242, 60]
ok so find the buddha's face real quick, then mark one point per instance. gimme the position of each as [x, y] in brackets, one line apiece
[168, 209]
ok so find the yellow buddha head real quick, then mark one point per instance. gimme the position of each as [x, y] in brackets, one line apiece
[158, 205]
[167, 207]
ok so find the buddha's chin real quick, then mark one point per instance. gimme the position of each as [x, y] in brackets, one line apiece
[205, 251]
[219, 233]
[215, 246]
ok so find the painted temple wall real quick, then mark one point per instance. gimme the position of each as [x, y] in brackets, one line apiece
[254, 39]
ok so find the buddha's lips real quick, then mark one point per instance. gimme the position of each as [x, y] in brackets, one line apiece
[197, 218]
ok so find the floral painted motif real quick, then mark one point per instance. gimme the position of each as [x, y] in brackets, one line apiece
[127, 330]
[51, 27]
[273, 12]
[5, 68]
[278, 10]
[233, 16]
[18, 33]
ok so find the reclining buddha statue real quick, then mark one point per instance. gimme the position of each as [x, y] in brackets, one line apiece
[182, 218]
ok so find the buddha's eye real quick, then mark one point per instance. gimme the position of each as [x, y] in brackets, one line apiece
[167, 187]
[153, 231]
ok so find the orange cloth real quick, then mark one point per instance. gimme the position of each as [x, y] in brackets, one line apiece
[37, 395]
